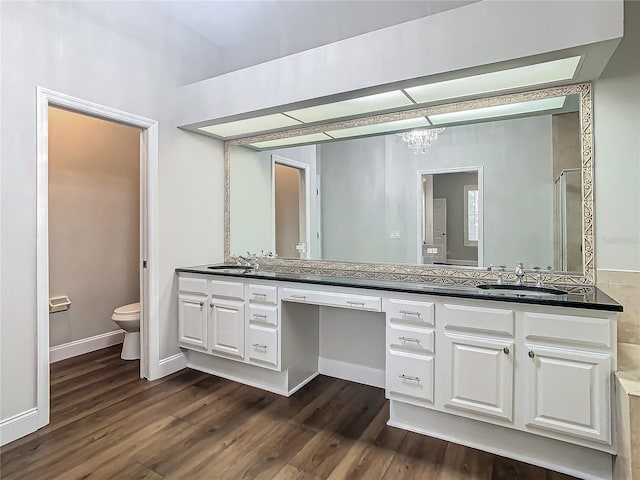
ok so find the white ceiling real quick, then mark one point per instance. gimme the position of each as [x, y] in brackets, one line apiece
[251, 32]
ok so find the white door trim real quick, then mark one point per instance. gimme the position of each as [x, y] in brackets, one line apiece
[150, 361]
[307, 196]
[420, 204]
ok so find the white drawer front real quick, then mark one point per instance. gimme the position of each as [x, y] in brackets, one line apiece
[478, 319]
[410, 339]
[411, 312]
[223, 289]
[188, 284]
[584, 331]
[332, 299]
[411, 375]
[263, 314]
[262, 345]
[263, 294]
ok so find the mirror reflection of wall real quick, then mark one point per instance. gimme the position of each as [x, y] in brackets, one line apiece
[495, 192]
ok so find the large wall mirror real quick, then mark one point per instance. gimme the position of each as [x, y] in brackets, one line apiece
[445, 191]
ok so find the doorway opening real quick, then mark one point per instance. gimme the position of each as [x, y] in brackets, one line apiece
[291, 191]
[450, 213]
[94, 235]
[144, 253]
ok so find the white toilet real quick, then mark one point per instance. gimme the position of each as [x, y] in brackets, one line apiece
[127, 318]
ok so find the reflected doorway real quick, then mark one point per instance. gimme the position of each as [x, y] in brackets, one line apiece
[451, 216]
[291, 207]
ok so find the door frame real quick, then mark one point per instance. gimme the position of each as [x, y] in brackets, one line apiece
[149, 247]
[307, 196]
[420, 204]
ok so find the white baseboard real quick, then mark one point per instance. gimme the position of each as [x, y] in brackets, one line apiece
[170, 365]
[85, 345]
[352, 372]
[18, 426]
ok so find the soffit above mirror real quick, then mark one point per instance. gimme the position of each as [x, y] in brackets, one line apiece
[561, 70]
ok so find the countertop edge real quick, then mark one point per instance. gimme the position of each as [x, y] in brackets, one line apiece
[335, 281]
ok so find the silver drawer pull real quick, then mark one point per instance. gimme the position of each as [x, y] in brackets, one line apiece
[355, 303]
[409, 377]
[202, 304]
[257, 315]
[301, 297]
[262, 295]
[257, 345]
[409, 312]
[407, 339]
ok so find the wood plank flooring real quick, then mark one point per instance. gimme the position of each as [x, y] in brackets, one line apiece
[107, 423]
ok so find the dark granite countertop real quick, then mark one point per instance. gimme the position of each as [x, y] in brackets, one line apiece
[583, 297]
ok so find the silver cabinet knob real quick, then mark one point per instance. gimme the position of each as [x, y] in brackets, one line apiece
[531, 354]
[202, 304]
[506, 350]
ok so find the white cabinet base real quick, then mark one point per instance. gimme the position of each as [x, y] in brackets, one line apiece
[560, 456]
[286, 382]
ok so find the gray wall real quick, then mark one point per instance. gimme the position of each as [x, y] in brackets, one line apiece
[90, 50]
[370, 188]
[617, 152]
[451, 186]
[94, 222]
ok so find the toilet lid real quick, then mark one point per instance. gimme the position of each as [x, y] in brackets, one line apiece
[130, 309]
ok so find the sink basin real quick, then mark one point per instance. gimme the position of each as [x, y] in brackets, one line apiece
[522, 289]
[239, 269]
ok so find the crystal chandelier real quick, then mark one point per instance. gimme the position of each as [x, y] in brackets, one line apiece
[420, 140]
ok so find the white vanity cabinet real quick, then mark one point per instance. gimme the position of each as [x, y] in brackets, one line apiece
[567, 364]
[520, 379]
[476, 360]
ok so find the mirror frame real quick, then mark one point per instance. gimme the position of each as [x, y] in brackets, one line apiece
[431, 273]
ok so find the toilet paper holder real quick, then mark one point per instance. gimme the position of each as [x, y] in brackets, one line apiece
[59, 304]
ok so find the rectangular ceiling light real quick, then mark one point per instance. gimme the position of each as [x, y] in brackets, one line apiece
[283, 142]
[498, 111]
[380, 128]
[250, 125]
[529, 75]
[355, 106]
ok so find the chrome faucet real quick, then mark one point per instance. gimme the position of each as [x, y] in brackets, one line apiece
[538, 271]
[250, 261]
[500, 269]
[519, 274]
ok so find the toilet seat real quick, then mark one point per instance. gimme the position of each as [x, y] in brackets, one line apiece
[127, 312]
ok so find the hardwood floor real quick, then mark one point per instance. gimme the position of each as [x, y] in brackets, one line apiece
[108, 423]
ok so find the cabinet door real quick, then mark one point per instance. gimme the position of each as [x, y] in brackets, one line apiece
[569, 392]
[192, 320]
[227, 327]
[479, 375]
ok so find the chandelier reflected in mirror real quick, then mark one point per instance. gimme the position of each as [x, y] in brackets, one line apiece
[420, 139]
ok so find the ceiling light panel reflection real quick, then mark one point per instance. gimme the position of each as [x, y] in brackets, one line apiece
[498, 111]
[380, 128]
[283, 142]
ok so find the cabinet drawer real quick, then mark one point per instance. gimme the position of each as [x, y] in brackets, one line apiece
[478, 319]
[263, 314]
[411, 375]
[567, 329]
[332, 299]
[410, 311]
[188, 284]
[410, 339]
[262, 294]
[220, 288]
[262, 345]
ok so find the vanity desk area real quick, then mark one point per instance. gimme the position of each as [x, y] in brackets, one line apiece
[391, 234]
